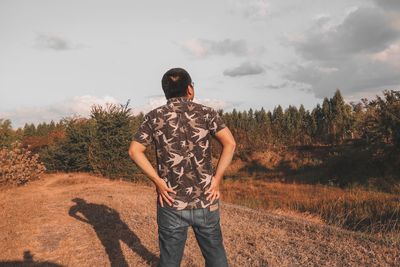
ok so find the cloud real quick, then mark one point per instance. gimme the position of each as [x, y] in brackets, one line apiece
[390, 55]
[388, 4]
[76, 106]
[351, 76]
[156, 101]
[153, 102]
[358, 54]
[156, 96]
[214, 103]
[80, 106]
[263, 10]
[363, 30]
[203, 47]
[252, 9]
[53, 42]
[244, 69]
[273, 86]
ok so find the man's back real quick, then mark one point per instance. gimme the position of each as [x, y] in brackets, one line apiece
[181, 131]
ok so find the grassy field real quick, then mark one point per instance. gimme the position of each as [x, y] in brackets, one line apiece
[354, 208]
[79, 219]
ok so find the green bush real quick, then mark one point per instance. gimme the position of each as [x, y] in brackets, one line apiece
[70, 153]
[7, 135]
[108, 149]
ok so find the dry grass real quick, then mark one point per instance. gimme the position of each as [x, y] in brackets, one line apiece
[353, 209]
[36, 218]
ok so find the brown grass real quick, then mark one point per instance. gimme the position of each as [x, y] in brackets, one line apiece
[353, 209]
[35, 221]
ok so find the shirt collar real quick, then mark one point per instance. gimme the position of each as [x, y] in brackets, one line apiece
[178, 99]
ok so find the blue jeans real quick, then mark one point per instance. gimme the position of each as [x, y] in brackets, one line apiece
[172, 234]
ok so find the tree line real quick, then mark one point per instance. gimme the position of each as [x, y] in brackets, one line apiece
[334, 122]
[100, 143]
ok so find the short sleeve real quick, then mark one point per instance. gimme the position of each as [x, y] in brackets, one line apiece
[144, 134]
[216, 123]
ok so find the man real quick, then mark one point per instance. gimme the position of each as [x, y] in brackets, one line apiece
[188, 188]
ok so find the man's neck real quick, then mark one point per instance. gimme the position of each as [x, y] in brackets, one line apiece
[179, 99]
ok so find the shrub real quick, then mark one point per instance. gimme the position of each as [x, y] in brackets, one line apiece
[108, 150]
[71, 152]
[7, 135]
[18, 165]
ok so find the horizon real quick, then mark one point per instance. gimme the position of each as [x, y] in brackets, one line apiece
[380, 94]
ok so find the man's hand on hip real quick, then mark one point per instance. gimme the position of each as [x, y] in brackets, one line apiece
[162, 190]
[213, 191]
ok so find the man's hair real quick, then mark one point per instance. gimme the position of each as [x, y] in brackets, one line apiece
[175, 82]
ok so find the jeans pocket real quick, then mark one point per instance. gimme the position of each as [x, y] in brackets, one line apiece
[168, 218]
[211, 218]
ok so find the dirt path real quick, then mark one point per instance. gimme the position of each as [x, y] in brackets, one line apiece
[81, 220]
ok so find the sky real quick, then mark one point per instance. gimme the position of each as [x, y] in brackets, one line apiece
[60, 57]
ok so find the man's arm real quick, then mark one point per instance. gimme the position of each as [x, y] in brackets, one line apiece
[228, 143]
[73, 213]
[226, 139]
[136, 152]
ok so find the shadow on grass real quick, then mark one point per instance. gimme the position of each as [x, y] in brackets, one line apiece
[28, 261]
[110, 229]
[340, 165]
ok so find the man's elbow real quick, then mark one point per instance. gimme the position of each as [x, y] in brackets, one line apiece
[131, 152]
[134, 149]
[231, 145]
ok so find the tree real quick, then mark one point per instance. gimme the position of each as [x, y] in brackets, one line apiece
[108, 149]
[70, 153]
[7, 135]
[340, 116]
[278, 124]
[382, 122]
[326, 121]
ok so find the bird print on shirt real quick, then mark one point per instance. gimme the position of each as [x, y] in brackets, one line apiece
[198, 162]
[190, 175]
[172, 115]
[205, 146]
[174, 128]
[189, 117]
[167, 141]
[206, 180]
[180, 173]
[181, 131]
[144, 135]
[176, 159]
[194, 124]
[191, 107]
[170, 186]
[189, 190]
[201, 134]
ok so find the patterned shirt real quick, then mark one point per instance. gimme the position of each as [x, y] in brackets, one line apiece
[181, 131]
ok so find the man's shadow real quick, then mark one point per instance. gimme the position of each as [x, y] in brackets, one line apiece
[28, 261]
[110, 229]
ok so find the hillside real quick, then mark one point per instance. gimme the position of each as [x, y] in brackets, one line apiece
[36, 225]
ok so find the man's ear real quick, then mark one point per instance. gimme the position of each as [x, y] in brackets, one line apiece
[189, 91]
